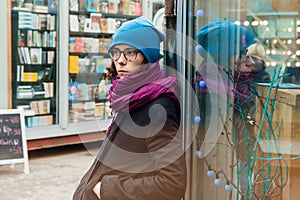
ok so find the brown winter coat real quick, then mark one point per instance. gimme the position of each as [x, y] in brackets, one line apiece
[135, 166]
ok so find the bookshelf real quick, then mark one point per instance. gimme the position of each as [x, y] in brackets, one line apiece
[92, 24]
[34, 81]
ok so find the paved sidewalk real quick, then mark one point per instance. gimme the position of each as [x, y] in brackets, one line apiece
[54, 173]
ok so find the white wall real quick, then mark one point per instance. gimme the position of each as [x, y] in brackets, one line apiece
[3, 56]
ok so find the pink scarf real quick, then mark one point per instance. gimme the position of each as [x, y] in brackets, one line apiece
[134, 91]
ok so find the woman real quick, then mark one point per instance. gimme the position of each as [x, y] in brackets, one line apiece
[141, 157]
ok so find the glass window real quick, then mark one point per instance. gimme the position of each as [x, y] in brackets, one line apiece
[34, 61]
[245, 62]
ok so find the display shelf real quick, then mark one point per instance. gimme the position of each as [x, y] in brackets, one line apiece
[103, 14]
[88, 54]
[87, 34]
[34, 66]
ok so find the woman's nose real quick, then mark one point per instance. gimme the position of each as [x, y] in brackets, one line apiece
[122, 58]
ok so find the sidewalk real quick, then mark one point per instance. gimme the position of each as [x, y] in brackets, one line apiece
[54, 173]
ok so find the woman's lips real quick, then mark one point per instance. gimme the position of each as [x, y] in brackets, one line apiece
[121, 72]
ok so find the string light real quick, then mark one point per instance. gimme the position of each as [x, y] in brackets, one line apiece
[210, 173]
[228, 187]
[218, 182]
[246, 23]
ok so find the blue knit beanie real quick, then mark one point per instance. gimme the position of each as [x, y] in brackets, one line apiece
[141, 34]
[222, 38]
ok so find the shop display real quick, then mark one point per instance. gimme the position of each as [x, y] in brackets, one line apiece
[34, 65]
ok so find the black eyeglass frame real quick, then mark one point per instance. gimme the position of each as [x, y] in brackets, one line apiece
[136, 51]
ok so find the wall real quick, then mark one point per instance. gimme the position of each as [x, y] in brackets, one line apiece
[3, 56]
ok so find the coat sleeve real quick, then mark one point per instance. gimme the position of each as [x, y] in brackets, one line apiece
[168, 180]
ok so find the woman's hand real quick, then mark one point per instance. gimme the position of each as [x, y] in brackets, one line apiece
[96, 189]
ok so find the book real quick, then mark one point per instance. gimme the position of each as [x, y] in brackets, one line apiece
[20, 72]
[41, 107]
[34, 21]
[96, 22]
[72, 44]
[25, 20]
[52, 6]
[92, 91]
[42, 22]
[50, 57]
[104, 27]
[82, 5]
[111, 25]
[49, 89]
[90, 45]
[79, 44]
[36, 121]
[99, 60]
[87, 25]
[82, 65]
[51, 22]
[36, 55]
[82, 91]
[91, 6]
[113, 6]
[21, 38]
[74, 23]
[73, 91]
[45, 39]
[36, 39]
[21, 55]
[131, 9]
[24, 92]
[29, 77]
[48, 73]
[73, 64]
[29, 38]
[27, 55]
[52, 41]
[81, 23]
[73, 5]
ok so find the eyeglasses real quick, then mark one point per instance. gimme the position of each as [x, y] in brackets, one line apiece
[129, 54]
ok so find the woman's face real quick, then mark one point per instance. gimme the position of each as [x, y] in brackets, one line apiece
[132, 64]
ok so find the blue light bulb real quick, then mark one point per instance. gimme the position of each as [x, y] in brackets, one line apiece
[202, 84]
[197, 119]
[200, 13]
[228, 187]
[210, 173]
[218, 182]
[198, 154]
[199, 48]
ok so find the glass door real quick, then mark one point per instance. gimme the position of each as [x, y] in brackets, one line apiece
[241, 58]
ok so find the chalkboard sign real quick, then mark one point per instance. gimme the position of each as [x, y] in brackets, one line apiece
[13, 143]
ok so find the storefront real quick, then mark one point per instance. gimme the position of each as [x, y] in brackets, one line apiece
[239, 136]
[244, 133]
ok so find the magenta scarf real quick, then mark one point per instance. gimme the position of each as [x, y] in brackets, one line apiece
[134, 91]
